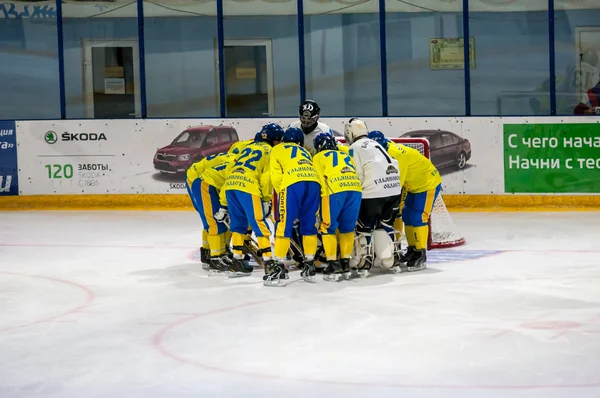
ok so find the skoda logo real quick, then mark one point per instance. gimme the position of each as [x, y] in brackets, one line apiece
[50, 137]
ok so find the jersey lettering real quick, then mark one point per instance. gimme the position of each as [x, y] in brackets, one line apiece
[249, 163]
[295, 150]
[211, 157]
[335, 156]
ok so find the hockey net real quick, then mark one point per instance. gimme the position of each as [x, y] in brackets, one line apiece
[442, 230]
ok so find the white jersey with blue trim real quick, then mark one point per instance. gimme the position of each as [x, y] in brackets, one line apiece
[378, 172]
[310, 137]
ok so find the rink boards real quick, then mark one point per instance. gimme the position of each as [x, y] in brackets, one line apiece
[503, 163]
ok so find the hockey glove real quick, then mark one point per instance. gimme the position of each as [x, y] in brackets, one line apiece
[221, 215]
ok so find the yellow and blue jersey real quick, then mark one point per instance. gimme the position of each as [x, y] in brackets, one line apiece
[204, 180]
[343, 148]
[417, 173]
[291, 163]
[211, 169]
[336, 172]
[239, 146]
[249, 172]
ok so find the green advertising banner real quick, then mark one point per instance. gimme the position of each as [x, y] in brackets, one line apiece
[552, 158]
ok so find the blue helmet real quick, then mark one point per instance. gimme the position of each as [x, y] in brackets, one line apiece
[293, 134]
[271, 132]
[258, 137]
[325, 141]
[379, 138]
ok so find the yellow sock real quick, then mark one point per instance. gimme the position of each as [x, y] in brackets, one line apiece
[227, 236]
[398, 227]
[421, 235]
[237, 240]
[264, 244]
[310, 243]
[346, 244]
[217, 245]
[330, 246]
[205, 244]
[282, 246]
[223, 242]
[410, 235]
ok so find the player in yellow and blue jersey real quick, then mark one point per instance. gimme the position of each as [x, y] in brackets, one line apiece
[204, 181]
[246, 197]
[296, 184]
[237, 147]
[422, 183]
[341, 195]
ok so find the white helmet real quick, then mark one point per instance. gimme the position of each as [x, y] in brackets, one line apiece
[355, 129]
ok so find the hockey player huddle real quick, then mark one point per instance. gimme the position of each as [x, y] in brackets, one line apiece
[336, 209]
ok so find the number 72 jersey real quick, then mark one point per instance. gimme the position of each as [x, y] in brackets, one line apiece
[337, 172]
[249, 172]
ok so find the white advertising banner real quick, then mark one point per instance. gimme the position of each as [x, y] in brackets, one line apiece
[119, 156]
[151, 156]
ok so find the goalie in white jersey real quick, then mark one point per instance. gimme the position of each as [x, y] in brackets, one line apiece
[381, 191]
[310, 125]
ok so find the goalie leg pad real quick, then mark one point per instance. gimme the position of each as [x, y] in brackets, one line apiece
[383, 248]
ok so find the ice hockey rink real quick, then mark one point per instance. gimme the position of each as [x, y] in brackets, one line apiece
[115, 304]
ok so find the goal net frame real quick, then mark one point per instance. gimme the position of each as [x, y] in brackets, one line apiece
[442, 230]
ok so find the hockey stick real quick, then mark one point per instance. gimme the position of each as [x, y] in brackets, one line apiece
[292, 241]
[251, 245]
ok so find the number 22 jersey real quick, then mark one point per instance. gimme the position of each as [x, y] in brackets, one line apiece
[250, 172]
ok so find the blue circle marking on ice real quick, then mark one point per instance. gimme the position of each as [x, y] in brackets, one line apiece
[448, 256]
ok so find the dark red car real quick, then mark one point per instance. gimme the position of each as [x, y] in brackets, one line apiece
[192, 145]
[447, 149]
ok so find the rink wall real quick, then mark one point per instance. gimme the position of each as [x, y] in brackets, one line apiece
[521, 163]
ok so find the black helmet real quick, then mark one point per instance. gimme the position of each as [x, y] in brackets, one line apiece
[309, 113]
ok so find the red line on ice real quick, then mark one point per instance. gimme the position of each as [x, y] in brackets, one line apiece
[89, 297]
[93, 246]
[158, 341]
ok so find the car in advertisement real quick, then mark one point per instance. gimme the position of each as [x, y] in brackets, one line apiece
[192, 145]
[446, 149]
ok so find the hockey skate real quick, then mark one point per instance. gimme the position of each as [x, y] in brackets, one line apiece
[404, 257]
[345, 262]
[205, 258]
[308, 271]
[276, 276]
[333, 272]
[417, 261]
[218, 265]
[269, 264]
[239, 268]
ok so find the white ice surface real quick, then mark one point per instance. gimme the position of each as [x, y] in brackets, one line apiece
[114, 304]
